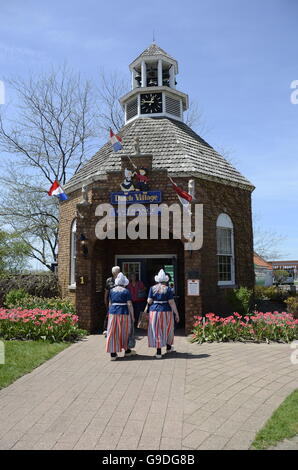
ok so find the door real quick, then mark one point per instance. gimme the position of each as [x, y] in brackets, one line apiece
[132, 265]
[147, 266]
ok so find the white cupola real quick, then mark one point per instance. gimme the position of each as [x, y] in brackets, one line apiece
[153, 83]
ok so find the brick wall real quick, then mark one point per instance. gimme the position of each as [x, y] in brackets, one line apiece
[67, 216]
[235, 202]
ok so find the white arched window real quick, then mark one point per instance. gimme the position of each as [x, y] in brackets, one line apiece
[73, 253]
[225, 250]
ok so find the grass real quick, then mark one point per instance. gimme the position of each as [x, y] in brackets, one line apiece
[283, 424]
[22, 357]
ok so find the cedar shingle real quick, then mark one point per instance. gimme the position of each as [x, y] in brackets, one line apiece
[174, 146]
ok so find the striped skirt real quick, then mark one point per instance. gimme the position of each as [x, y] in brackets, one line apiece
[160, 329]
[117, 333]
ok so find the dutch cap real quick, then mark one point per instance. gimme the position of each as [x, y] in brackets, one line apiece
[161, 276]
[121, 280]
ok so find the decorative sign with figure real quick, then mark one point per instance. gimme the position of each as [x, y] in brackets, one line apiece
[142, 179]
[135, 180]
[127, 184]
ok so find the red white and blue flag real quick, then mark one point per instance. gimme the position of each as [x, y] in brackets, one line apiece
[56, 190]
[184, 197]
[116, 141]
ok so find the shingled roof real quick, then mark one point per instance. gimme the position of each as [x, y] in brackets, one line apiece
[174, 146]
[153, 50]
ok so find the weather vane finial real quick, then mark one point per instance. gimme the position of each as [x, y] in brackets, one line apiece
[153, 35]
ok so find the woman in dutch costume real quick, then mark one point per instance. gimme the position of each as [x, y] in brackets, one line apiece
[161, 318]
[120, 317]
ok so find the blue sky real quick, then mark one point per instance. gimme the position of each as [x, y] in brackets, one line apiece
[237, 60]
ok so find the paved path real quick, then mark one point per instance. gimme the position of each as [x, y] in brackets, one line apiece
[213, 396]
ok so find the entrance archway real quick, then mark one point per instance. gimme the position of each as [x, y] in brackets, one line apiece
[149, 256]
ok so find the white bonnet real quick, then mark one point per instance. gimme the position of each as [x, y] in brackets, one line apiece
[121, 280]
[161, 276]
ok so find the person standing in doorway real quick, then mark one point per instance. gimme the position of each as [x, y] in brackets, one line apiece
[138, 295]
[161, 318]
[120, 317]
[110, 283]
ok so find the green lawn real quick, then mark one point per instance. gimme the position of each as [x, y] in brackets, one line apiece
[23, 356]
[283, 424]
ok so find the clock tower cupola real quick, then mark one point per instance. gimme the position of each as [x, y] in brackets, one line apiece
[153, 83]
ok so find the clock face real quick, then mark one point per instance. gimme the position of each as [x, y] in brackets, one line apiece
[151, 103]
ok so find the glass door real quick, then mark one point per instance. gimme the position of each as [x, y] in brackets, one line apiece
[130, 266]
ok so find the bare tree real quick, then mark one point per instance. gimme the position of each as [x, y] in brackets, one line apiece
[194, 118]
[111, 87]
[49, 140]
[266, 242]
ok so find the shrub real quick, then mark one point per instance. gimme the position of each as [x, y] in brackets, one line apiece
[240, 299]
[280, 276]
[257, 327]
[14, 296]
[31, 302]
[292, 306]
[260, 293]
[270, 293]
[34, 324]
[41, 285]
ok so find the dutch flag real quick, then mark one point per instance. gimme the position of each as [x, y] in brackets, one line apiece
[116, 141]
[57, 191]
[184, 197]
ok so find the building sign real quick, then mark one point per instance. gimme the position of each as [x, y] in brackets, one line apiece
[134, 197]
[193, 287]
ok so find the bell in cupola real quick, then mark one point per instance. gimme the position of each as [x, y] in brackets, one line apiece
[138, 79]
[152, 72]
[153, 92]
[152, 82]
[166, 77]
[152, 76]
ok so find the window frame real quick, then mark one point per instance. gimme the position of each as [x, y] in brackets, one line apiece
[73, 254]
[224, 221]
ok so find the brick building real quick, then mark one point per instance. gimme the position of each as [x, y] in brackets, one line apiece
[154, 137]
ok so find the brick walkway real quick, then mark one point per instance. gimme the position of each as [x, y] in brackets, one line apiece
[214, 396]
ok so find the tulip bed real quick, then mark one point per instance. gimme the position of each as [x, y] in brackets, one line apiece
[257, 327]
[38, 324]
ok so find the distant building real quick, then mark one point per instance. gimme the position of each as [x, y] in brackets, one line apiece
[290, 266]
[263, 271]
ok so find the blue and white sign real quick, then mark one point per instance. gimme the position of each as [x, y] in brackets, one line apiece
[134, 197]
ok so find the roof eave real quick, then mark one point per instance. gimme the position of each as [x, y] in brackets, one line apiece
[101, 177]
[247, 186]
[153, 58]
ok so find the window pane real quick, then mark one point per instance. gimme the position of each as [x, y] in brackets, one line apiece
[73, 256]
[131, 267]
[224, 241]
[225, 268]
